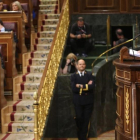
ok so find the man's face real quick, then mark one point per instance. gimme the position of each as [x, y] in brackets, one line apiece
[81, 65]
[119, 35]
[1, 6]
[80, 23]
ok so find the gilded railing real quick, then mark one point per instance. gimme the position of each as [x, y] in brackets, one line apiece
[109, 51]
[45, 92]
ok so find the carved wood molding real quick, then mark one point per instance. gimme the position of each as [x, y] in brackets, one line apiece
[105, 6]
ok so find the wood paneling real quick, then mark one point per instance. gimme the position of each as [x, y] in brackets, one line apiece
[128, 98]
[8, 52]
[16, 17]
[105, 6]
[134, 6]
[3, 101]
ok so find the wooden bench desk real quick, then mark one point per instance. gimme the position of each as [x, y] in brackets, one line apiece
[8, 51]
[11, 16]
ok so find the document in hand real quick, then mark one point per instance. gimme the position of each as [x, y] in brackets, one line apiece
[134, 53]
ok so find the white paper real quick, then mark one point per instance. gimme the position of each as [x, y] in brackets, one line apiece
[134, 53]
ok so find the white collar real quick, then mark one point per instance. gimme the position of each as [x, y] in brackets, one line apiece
[81, 73]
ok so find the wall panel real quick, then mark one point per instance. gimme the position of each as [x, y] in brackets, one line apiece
[105, 6]
[134, 6]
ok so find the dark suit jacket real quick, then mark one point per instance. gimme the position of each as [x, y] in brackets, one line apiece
[86, 96]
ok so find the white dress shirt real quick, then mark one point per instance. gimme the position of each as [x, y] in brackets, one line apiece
[81, 73]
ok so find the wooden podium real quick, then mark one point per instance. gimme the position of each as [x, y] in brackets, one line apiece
[128, 97]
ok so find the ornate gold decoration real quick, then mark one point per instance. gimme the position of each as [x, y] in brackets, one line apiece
[127, 112]
[80, 91]
[51, 73]
[85, 89]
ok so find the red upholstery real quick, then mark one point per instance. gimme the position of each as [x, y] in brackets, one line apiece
[10, 26]
[25, 8]
[35, 3]
[5, 6]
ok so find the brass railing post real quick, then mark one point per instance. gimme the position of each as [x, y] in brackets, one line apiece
[108, 35]
[35, 105]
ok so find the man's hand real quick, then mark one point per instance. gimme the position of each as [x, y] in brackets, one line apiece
[114, 43]
[84, 35]
[78, 36]
[68, 61]
[90, 82]
[79, 85]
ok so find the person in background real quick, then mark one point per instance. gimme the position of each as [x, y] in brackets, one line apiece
[1, 6]
[82, 84]
[121, 39]
[16, 6]
[80, 36]
[71, 62]
[2, 28]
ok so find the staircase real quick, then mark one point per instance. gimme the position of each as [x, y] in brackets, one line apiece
[18, 117]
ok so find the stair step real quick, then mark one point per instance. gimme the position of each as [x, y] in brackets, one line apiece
[18, 137]
[22, 106]
[54, 11]
[42, 47]
[50, 21]
[43, 40]
[47, 2]
[35, 69]
[29, 86]
[23, 95]
[48, 7]
[20, 127]
[32, 77]
[19, 117]
[37, 61]
[49, 16]
[46, 34]
[39, 54]
[48, 27]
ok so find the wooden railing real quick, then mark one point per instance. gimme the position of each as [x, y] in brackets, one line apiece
[45, 92]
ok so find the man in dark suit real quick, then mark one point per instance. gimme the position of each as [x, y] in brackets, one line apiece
[82, 87]
[80, 37]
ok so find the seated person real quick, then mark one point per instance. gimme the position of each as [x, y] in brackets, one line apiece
[80, 35]
[121, 39]
[71, 63]
[16, 6]
[1, 6]
[2, 29]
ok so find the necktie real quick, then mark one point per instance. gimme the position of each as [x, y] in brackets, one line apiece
[81, 74]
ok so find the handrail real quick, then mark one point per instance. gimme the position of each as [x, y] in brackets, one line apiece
[45, 92]
[108, 51]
